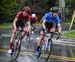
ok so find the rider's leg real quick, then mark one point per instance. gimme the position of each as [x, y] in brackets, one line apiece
[40, 40]
[27, 31]
[12, 37]
[35, 25]
[52, 29]
[11, 41]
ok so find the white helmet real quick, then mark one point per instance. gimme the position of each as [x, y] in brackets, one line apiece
[33, 15]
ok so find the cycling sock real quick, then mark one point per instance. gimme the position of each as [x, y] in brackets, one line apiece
[38, 47]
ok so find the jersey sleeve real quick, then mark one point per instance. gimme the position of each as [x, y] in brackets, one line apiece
[58, 20]
[44, 18]
[18, 15]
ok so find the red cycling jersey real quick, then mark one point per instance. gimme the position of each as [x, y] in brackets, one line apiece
[21, 17]
[33, 19]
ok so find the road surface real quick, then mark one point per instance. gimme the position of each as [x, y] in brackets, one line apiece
[62, 51]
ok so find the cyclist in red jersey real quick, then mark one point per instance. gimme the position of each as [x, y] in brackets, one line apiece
[21, 20]
[34, 20]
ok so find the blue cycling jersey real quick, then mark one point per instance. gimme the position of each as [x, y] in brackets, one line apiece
[48, 18]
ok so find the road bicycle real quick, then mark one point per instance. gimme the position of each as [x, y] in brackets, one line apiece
[17, 41]
[46, 46]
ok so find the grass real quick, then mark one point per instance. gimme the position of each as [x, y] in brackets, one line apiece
[70, 34]
[9, 25]
[5, 25]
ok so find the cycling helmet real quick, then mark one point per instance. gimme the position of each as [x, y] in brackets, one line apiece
[54, 9]
[27, 9]
[33, 15]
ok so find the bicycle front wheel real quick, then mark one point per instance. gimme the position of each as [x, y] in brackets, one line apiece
[16, 50]
[49, 48]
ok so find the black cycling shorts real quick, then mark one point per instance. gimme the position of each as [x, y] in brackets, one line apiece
[20, 24]
[48, 25]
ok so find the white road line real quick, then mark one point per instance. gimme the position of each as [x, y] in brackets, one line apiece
[61, 42]
[5, 35]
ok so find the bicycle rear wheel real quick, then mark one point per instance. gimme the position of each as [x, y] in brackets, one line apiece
[49, 48]
[16, 50]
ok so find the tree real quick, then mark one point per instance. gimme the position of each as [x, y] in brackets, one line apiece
[51, 3]
[6, 10]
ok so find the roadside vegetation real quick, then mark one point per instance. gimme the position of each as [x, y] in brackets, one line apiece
[70, 34]
[5, 25]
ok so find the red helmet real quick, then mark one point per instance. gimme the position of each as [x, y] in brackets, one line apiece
[27, 9]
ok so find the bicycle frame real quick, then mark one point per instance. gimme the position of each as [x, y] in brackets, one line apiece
[16, 51]
[50, 40]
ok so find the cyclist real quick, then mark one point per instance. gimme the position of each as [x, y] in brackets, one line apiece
[48, 21]
[21, 20]
[34, 20]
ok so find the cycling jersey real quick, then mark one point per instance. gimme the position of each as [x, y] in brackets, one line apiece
[48, 18]
[33, 19]
[21, 17]
[22, 20]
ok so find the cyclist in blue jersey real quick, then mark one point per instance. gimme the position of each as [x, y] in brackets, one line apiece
[48, 21]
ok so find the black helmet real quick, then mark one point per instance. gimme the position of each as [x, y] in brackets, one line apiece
[54, 9]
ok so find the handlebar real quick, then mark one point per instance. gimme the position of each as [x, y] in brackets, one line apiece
[54, 33]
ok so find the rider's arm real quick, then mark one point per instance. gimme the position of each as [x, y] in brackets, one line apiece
[59, 28]
[14, 23]
[44, 21]
[58, 24]
[43, 24]
[16, 19]
[29, 24]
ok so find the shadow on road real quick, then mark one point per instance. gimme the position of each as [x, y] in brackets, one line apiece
[13, 61]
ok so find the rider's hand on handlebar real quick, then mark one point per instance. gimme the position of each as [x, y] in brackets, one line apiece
[58, 36]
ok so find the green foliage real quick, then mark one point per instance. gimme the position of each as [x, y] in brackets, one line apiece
[70, 34]
[5, 25]
[6, 9]
[9, 8]
[70, 4]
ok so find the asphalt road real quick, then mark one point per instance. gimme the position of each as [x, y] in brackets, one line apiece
[62, 51]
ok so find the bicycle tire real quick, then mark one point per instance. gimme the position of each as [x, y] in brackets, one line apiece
[16, 51]
[50, 46]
